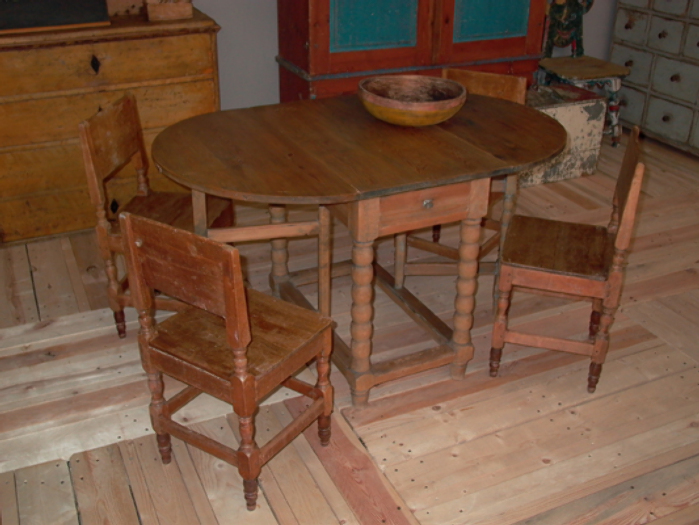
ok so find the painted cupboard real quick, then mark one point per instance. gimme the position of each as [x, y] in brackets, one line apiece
[327, 46]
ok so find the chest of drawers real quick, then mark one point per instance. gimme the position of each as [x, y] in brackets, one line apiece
[53, 80]
[659, 41]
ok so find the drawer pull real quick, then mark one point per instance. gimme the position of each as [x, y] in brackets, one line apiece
[662, 34]
[628, 63]
[629, 25]
[623, 103]
[666, 118]
[428, 204]
[95, 64]
[675, 78]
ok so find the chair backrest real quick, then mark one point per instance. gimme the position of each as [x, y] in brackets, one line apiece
[187, 267]
[507, 87]
[627, 192]
[110, 139]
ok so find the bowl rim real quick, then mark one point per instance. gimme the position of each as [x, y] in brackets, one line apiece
[373, 98]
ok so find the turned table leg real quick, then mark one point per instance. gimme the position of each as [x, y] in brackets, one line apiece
[280, 251]
[361, 328]
[465, 295]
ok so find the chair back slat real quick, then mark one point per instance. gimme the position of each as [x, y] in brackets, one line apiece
[187, 267]
[627, 192]
[110, 139]
[506, 87]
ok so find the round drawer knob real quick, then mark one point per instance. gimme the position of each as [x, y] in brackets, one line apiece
[675, 78]
[428, 204]
[666, 118]
[662, 34]
[629, 25]
[628, 63]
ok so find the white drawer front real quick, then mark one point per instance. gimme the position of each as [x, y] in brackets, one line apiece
[691, 45]
[668, 119]
[694, 11]
[639, 62]
[673, 7]
[676, 79]
[694, 137]
[665, 35]
[631, 102]
[631, 26]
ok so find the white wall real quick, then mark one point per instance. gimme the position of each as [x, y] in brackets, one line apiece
[247, 45]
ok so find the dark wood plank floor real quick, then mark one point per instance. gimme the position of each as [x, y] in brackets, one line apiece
[531, 446]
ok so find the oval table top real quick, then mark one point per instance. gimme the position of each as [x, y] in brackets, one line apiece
[332, 150]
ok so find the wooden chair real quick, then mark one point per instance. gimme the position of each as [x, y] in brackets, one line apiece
[112, 143]
[507, 87]
[573, 260]
[235, 344]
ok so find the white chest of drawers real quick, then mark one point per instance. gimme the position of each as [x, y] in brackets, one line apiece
[659, 41]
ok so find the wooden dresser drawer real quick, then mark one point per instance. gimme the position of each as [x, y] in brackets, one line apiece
[677, 79]
[639, 62]
[631, 26]
[665, 35]
[104, 63]
[49, 119]
[670, 120]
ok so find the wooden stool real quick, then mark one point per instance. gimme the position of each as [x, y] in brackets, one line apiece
[589, 72]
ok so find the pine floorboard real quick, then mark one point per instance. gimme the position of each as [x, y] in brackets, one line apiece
[529, 447]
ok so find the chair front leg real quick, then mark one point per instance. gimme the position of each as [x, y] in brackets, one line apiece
[157, 387]
[504, 285]
[249, 465]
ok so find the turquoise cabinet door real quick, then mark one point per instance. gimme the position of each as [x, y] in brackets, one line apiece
[361, 25]
[490, 19]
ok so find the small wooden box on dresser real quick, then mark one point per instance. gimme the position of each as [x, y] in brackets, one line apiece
[659, 41]
[52, 80]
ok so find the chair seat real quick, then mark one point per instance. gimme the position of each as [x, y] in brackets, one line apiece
[278, 330]
[583, 68]
[579, 250]
[172, 208]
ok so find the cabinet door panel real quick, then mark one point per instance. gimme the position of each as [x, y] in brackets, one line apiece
[473, 30]
[363, 35]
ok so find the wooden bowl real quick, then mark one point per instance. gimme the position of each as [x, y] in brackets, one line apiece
[411, 100]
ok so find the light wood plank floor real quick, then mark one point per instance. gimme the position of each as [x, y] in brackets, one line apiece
[530, 446]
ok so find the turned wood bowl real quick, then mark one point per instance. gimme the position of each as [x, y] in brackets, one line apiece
[411, 100]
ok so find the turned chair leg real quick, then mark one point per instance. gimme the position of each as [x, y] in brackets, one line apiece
[499, 328]
[120, 322]
[250, 491]
[157, 387]
[593, 376]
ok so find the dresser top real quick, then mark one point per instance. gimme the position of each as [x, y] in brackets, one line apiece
[121, 28]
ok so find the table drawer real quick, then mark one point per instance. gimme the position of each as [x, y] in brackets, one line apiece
[93, 65]
[673, 7]
[631, 26]
[418, 209]
[670, 120]
[639, 62]
[665, 35]
[676, 79]
[691, 45]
